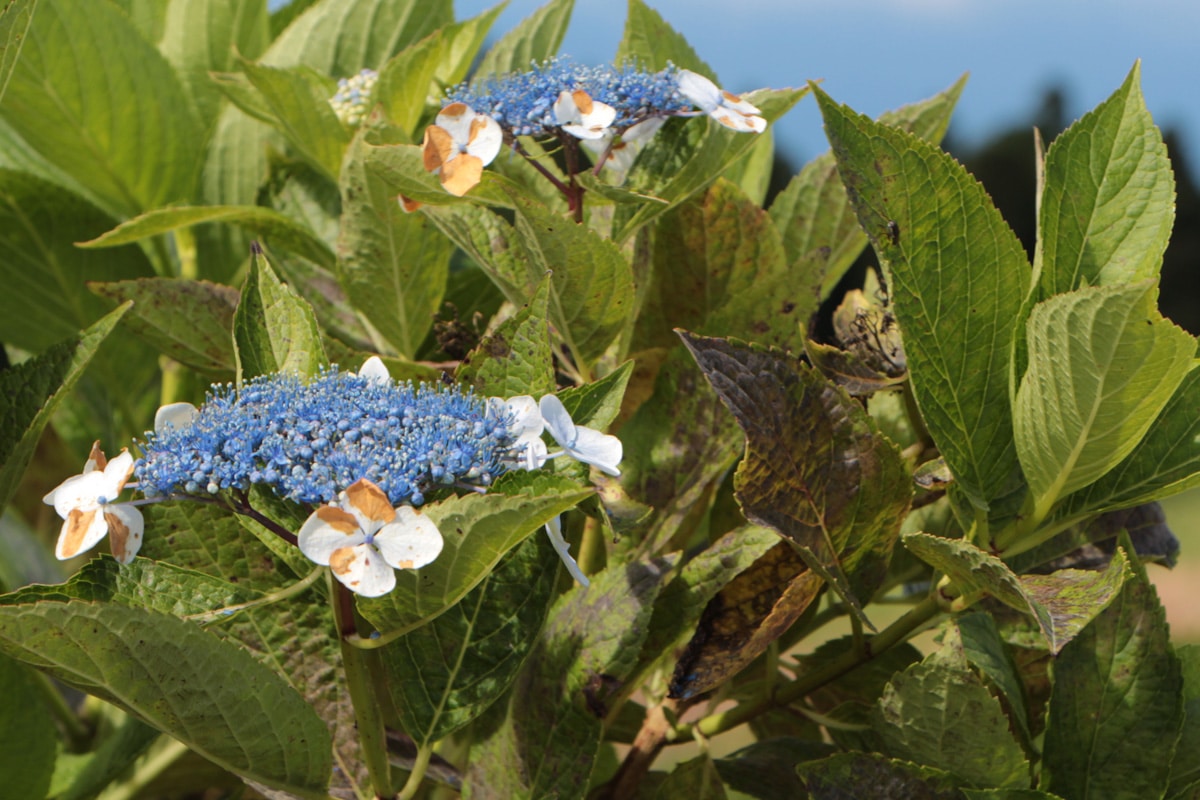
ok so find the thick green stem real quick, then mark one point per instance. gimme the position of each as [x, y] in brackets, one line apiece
[372, 737]
[894, 634]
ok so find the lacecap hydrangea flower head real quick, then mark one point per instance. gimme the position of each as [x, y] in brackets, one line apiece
[363, 448]
[608, 108]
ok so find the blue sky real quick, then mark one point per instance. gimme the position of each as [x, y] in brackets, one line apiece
[879, 54]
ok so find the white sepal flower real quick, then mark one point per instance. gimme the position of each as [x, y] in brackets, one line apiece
[581, 116]
[363, 539]
[725, 107]
[554, 531]
[459, 145]
[623, 151]
[526, 428]
[375, 372]
[174, 415]
[85, 502]
[590, 446]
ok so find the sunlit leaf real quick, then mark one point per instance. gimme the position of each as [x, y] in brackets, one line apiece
[1102, 364]
[957, 276]
[14, 24]
[274, 330]
[1109, 198]
[535, 39]
[516, 358]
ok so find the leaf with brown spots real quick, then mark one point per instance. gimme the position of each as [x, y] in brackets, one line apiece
[749, 613]
[515, 359]
[816, 467]
[189, 321]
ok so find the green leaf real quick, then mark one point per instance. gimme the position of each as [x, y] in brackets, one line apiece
[652, 44]
[147, 584]
[392, 264]
[1117, 705]
[957, 276]
[536, 39]
[1185, 767]
[445, 674]
[516, 358]
[298, 99]
[1165, 462]
[863, 774]
[115, 753]
[100, 102]
[274, 330]
[14, 26]
[204, 36]
[592, 284]
[983, 648]
[1102, 364]
[589, 646]
[28, 738]
[939, 713]
[43, 273]
[478, 531]
[406, 82]
[189, 321]
[821, 235]
[816, 467]
[697, 779]
[741, 620]
[720, 269]
[209, 694]
[276, 228]
[291, 636]
[31, 392]
[1109, 198]
[463, 40]
[597, 404]
[685, 157]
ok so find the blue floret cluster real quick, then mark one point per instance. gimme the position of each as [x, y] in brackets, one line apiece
[309, 441]
[523, 102]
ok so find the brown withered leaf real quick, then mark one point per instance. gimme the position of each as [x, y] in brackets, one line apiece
[752, 611]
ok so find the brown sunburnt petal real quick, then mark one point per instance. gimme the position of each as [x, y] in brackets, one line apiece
[96, 459]
[583, 101]
[128, 473]
[76, 526]
[438, 148]
[478, 125]
[118, 536]
[370, 501]
[731, 97]
[341, 561]
[462, 174]
[408, 204]
[338, 519]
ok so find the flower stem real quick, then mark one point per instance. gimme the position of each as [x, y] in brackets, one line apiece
[424, 754]
[367, 715]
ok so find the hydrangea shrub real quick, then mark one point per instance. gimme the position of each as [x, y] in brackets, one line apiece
[388, 415]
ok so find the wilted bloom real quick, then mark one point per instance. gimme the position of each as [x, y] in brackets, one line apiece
[363, 539]
[584, 444]
[582, 117]
[309, 441]
[554, 531]
[459, 145]
[350, 102]
[725, 107]
[86, 502]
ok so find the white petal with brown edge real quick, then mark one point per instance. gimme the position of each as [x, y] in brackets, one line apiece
[411, 542]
